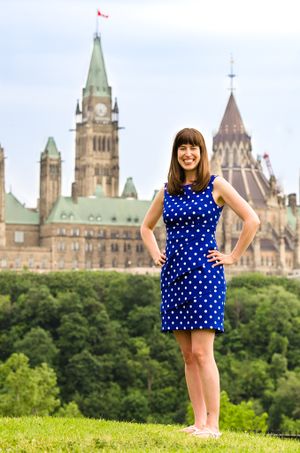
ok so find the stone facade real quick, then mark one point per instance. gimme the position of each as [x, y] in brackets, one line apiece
[95, 228]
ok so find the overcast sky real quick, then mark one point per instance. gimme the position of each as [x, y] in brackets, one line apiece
[167, 63]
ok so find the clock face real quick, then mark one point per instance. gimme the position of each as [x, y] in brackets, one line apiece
[100, 110]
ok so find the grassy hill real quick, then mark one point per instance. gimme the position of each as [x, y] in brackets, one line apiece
[49, 434]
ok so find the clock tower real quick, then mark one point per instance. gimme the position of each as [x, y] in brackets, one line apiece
[97, 149]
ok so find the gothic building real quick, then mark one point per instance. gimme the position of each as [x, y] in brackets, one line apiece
[276, 246]
[96, 228]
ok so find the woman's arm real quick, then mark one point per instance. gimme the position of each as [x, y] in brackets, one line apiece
[151, 218]
[225, 193]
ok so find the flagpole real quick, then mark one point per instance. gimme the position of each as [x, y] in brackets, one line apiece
[97, 23]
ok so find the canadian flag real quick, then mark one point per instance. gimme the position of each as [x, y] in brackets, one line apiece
[102, 15]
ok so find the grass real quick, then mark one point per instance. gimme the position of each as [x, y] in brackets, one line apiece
[47, 434]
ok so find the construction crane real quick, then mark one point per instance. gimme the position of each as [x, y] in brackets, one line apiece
[271, 172]
[268, 163]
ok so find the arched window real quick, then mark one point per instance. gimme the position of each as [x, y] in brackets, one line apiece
[94, 143]
[108, 144]
[99, 144]
[103, 144]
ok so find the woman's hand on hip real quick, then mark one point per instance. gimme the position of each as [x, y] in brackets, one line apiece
[160, 259]
[219, 258]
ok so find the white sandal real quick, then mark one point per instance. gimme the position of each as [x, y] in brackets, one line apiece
[206, 433]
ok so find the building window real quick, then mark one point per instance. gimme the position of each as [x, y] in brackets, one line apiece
[114, 247]
[88, 264]
[61, 246]
[3, 262]
[127, 247]
[75, 246]
[53, 170]
[61, 231]
[103, 144]
[30, 263]
[75, 232]
[99, 144]
[19, 237]
[108, 144]
[114, 262]
[17, 262]
[61, 264]
[101, 247]
[94, 143]
[44, 263]
[74, 264]
[88, 247]
[139, 248]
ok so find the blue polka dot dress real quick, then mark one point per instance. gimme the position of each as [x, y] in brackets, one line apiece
[193, 292]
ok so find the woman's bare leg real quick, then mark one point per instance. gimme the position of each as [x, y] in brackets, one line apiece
[192, 377]
[202, 350]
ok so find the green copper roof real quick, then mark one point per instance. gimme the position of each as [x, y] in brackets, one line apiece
[99, 211]
[51, 149]
[97, 83]
[129, 190]
[16, 213]
[291, 218]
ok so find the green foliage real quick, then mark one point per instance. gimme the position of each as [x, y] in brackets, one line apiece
[100, 333]
[241, 417]
[27, 391]
[70, 410]
[38, 346]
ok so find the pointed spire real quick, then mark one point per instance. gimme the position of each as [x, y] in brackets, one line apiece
[116, 107]
[97, 84]
[232, 127]
[129, 190]
[51, 149]
[78, 112]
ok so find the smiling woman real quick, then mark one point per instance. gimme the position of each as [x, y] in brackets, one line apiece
[193, 285]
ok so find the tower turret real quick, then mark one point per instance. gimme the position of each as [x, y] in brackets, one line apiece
[50, 178]
[97, 150]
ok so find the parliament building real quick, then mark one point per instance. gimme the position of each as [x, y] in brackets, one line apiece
[96, 227]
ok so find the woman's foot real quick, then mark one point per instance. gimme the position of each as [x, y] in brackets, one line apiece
[190, 429]
[206, 433]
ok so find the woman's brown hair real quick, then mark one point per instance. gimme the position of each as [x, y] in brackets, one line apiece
[176, 176]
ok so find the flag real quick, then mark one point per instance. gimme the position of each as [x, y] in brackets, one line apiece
[102, 15]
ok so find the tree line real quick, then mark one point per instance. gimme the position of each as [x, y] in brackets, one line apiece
[90, 343]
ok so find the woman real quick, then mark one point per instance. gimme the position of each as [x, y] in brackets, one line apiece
[193, 285]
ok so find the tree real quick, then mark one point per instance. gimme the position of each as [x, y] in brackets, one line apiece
[38, 346]
[27, 391]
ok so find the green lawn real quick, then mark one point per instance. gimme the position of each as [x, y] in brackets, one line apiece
[47, 434]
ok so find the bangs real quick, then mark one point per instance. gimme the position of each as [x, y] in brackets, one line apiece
[189, 137]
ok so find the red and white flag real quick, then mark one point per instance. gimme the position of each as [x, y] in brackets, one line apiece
[102, 15]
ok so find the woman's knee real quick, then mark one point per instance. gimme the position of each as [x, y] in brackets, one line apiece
[202, 356]
[188, 356]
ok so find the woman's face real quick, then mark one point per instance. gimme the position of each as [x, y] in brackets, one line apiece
[188, 156]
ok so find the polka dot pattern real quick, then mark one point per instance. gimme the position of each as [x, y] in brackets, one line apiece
[193, 292]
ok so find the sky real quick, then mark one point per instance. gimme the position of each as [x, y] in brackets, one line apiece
[167, 63]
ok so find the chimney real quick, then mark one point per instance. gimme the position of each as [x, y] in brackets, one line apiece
[292, 202]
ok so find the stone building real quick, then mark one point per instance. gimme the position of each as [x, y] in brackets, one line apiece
[96, 228]
[276, 246]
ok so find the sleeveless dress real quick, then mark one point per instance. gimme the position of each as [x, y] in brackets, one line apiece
[193, 292]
